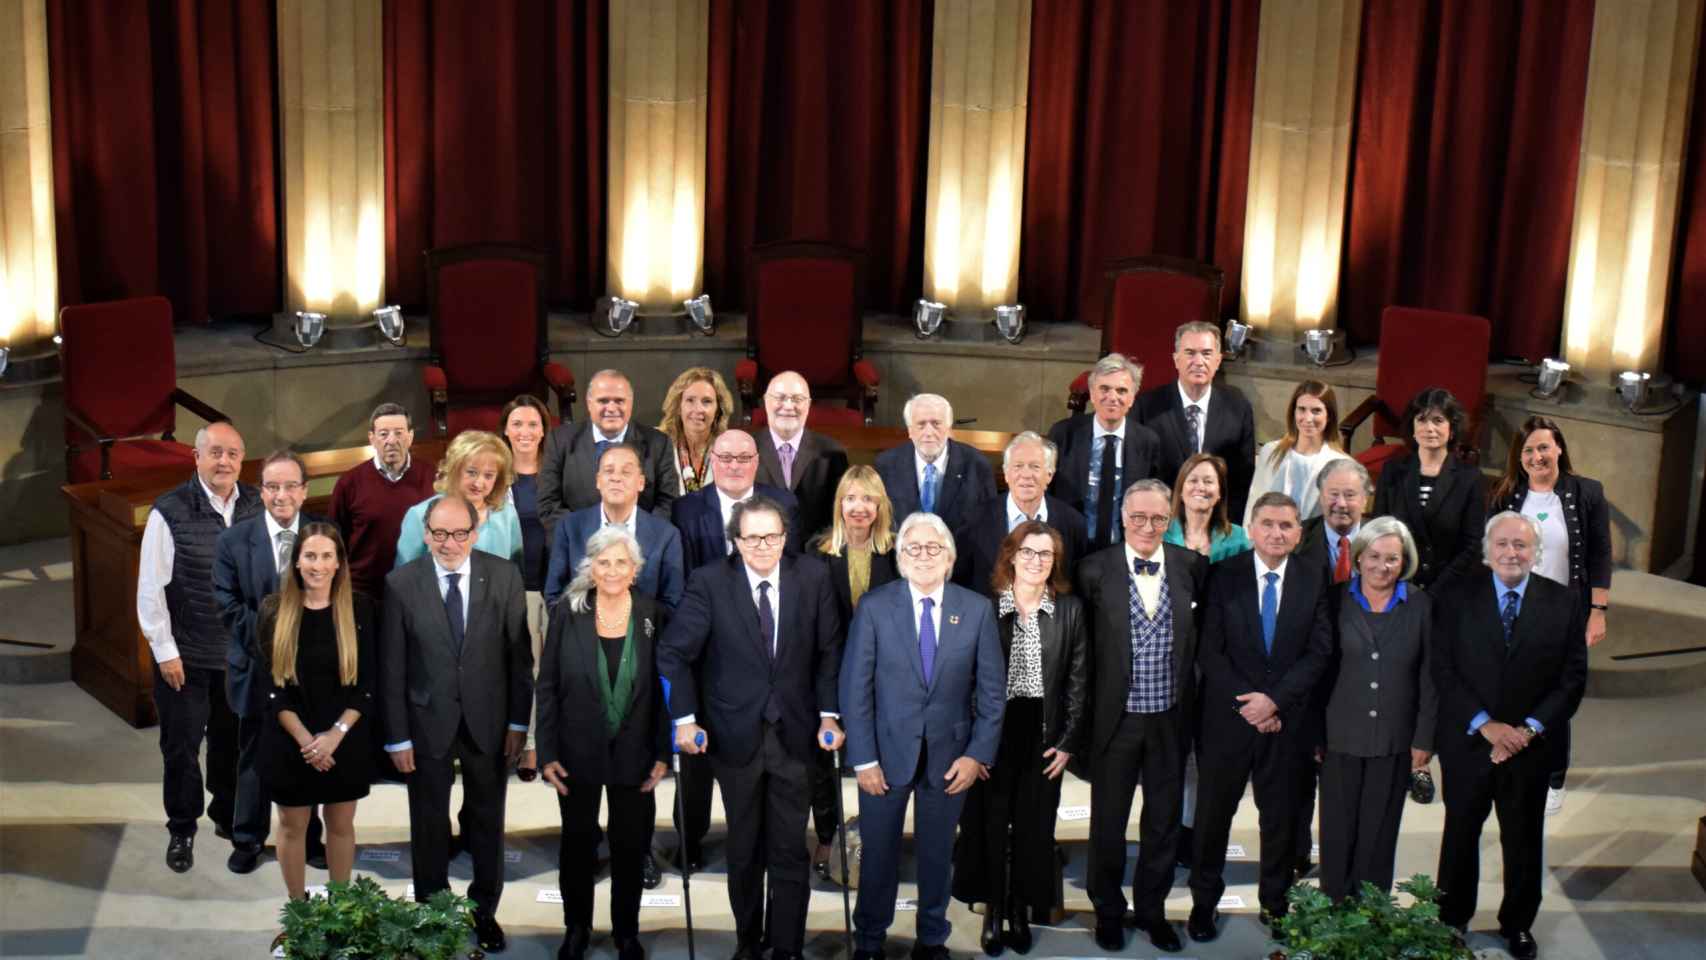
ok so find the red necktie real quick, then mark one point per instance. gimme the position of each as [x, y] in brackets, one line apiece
[1342, 570]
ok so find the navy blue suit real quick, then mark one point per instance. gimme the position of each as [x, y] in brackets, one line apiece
[965, 481]
[663, 577]
[699, 517]
[915, 731]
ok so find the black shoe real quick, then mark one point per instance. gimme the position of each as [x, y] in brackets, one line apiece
[628, 948]
[1522, 945]
[222, 830]
[1019, 929]
[1204, 924]
[1110, 935]
[1275, 922]
[747, 951]
[180, 853]
[245, 857]
[933, 952]
[990, 940]
[488, 934]
[1187, 847]
[1303, 867]
[316, 856]
[574, 943]
[1162, 934]
[649, 876]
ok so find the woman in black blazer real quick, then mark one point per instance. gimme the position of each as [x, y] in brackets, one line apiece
[603, 729]
[1005, 851]
[1440, 498]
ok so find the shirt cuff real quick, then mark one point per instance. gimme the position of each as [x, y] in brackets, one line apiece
[399, 747]
[863, 766]
[518, 727]
[826, 715]
[1479, 720]
[687, 719]
[165, 650]
[1536, 724]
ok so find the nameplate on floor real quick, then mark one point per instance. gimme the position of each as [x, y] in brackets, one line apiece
[1231, 901]
[550, 896]
[1075, 813]
[315, 890]
[381, 855]
[660, 900]
[906, 903]
[512, 856]
[1235, 851]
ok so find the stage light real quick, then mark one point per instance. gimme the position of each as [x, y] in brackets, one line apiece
[1010, 322]
[700, 313]
[614, 315]
[927, 317]
[1633, 386]
[309, 328]
[390, 320]
[1319, 345]
[5, 356]
[1237, 337]
[1552, 374]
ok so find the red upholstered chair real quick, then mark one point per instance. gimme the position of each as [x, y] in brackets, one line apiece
[805, 312]
[487, 312]
[1146, 299]
[1421, 349]
[121, 388]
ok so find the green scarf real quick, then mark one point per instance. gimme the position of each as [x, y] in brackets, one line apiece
[616, 698]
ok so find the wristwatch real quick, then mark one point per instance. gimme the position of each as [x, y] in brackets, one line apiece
[1531, 730]
[1602, 607]
[343, 727]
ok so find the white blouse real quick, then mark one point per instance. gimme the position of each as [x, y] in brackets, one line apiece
[1294, 475]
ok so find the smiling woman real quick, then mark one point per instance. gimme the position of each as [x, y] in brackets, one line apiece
[477, 466]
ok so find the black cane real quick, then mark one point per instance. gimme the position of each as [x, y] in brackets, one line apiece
[681, 847]
[841, 828]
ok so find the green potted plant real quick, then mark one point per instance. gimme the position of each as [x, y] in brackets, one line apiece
[1368, 926]
[357, 921]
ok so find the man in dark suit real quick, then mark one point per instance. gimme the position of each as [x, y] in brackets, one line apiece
[1089, 478]
[803, 462]
[1266, 640]
[1027, 464]
[1142, 596]
[1511, 668]
[932, 471]
[248, 560]
[458, 680]
[923, 688]
[568, 469]
[1195, 416]
[703, 515]
[621, 479]
[761, 632]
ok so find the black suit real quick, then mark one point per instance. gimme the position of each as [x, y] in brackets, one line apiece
[979, 541]
[1230, 752]
[1074, 438]
[965, 480]
[1122, 747]
[569, 466]
[760, 709]
[1448, 530]
[456, 707]
[1230, 434]
[819, 462]
[1542, 676]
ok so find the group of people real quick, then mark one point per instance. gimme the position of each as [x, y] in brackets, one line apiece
[575, 602]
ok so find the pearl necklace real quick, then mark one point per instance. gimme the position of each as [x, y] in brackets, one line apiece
[620, 623]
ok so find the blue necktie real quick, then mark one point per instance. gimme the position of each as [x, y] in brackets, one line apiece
[602, 446]
[927, 640]
[453, 610]
[1270, 611]
[1508, 617]
[928, 500]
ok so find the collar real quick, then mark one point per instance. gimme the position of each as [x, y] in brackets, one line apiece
[439, 571]
[728, 502]
[379, 465]
[1007, 603]
[1097, 431]
[598, 435]
[225, 505]
[1499, 589]
[273, 529]
[1262, 567]
[774, 579]
[798, 440]
[1015, 516]
[1333, 536]
[1160, 557]
[920, 463]
[605, 521]
[1185, 399]
[1400, 594]
[935, 595]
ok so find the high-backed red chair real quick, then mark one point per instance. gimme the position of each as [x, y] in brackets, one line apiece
[121, 388]
[486, 306]
[1146, 298]
[1421, 349]
[805, 312]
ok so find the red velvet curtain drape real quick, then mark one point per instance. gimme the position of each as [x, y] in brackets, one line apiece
[1685, 347]
[818, 128]
[164, 153]
[494, 131]
[1139, 142]
[1463, 164]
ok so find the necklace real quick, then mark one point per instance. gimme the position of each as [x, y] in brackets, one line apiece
[617, 623]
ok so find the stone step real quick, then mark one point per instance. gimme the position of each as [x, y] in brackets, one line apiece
[1655, 639]
[36, 614]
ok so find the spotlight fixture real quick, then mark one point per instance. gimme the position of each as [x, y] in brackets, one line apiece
[615, 315]
[309, 328]
[927, 317]
[390, 320]
[1552, 374]
[1319, 345]
[1633, 386]
[1237, 337]
[1010, 322]
[5, 357]
[699, 312]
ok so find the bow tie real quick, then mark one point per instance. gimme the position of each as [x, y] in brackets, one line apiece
[1145, 568]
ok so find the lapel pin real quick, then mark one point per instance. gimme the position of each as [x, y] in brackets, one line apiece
[953, 618]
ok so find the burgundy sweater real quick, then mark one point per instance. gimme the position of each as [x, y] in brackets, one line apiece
[369, 510]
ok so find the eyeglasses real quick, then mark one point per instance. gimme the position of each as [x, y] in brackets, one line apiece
[460, 536]
[290, 487]
[771, 540]
[1036, 556]
[743, 459]
[797, 399]
[923, 549]
[1155, 522]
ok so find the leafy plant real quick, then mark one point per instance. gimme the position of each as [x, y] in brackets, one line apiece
[358, 921]
[1370, 925]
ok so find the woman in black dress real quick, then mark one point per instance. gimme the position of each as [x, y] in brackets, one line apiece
[319, 752]
[1438, 495]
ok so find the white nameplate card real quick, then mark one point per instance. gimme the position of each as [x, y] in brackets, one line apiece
[1232, 901]
[409, 892]
[550, 896]
[1074, 813]
[906, 903]
[381, 855]
[512, 856]
[1235, 851]
[315, 890]
[660, 900]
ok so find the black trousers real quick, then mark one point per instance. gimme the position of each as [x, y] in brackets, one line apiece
[197, 710]
[695, 782]
[1362, 802]
[484, 790]
[1146, 747]
[1272, 764]
[1473, 786]
[767, 799]
[631, 816]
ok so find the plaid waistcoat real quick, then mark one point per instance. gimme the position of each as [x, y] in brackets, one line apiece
[1151, 689]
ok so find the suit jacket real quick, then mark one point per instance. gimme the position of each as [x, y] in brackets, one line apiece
[887, 709]
[966, 480]
[663, 576]
[245, 571]
[704, 539]
[1312, 546]
[429, 690]
[715, 636]
[1229, 434]
[1400, 672]
[1234, 662]
[979, 541]
[1105, 586]
[1074, 438]
[1448, 530]
[570, 463]
[883, 570]
[819, 462]
[1543, 677]
[571, 713]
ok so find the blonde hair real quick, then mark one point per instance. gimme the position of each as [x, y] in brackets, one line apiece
[882, 535]
[468, 445]
[286, 605]
[670, 425]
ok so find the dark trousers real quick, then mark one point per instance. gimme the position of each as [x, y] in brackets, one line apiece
[197, 710]
[1271, 763]
[484, 784]
[825, 783]
[1473, 786]
[767, 799]
[1147, 748]
[882, 820]
[694, 781]
[631, 816]
[1362, 802]
[253, 818]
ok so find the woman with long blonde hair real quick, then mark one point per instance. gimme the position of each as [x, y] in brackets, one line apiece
[696, 409]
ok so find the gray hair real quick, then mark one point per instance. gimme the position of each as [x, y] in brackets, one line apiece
[917, 398]
[389, 409]
[1195, 326]
[1118, 363]
[1147, 485]
[1380, 528]
[935, 525]
[1501, 517]
[1344, 463]
[580, 589]
[1050, 452]
[201, 433]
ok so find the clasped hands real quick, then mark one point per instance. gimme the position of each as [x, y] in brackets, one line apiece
[317, 750]
[1507, 741]
[1259, 711]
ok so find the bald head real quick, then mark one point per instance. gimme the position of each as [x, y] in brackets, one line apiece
[736, 455]
[610, 401]
[787, 402]
[219, 457]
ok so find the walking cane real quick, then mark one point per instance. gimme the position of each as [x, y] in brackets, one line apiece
[841, 829]
[681, 818]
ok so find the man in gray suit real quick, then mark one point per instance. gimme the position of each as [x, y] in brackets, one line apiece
[458, 681]
[569, 467]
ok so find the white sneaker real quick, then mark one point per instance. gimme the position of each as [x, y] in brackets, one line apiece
[1554, 800]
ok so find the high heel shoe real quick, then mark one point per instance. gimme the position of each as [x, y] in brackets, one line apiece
[991, 938]
[1019, 928]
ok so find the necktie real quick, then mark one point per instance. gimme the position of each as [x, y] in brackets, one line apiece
[927, 500]
[927, 640]
[1193, 421]
[602, 446]
[1144, 567]
[1106, 523]
[1342, 569]
[453, 610]
[1270, 610]
[787, 454]
[1508, 617]
[767, 619]
[286, 540]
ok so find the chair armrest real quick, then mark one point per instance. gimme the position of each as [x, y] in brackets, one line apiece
[1078, 394]
[76, 420]
[866, 373]
[197, 407]
[1348, 426]
[746, 384]
[562, 382]
[435, 379]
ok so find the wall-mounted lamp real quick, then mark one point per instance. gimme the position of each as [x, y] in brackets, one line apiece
[1551, 375]
[1319, 345]
[390, 320]
[1632, 387]
[5, 356]
[927, 317]
[1010, 322]
[614, 315]
[699, 312]
[309, 328]
[1236, 339]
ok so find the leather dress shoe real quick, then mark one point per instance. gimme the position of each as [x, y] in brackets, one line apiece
[574, 943]
[1522, 945]
[628, 948]
[1019, 929]
[1275, 922]
[747, 951]
[1110, 935]
[180, 853]
[990, 939]
[1162, 934]
[937, 951]
[1204, 924]
[245, 857]
[488, 934]
[1304, 867]
[649, 876]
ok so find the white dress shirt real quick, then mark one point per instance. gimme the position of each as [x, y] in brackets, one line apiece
[1185, 402]
[378, 464]
[728, 507]
[1149, 584]
[154, 571]
[273, 530]
[628, 524]
[598, 435]
[1015, 516]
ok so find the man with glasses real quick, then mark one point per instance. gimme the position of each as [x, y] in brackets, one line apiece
[761, 633]
[370, 499]
[1028, 464]
[1142, 596]
[803, 462]
[703, 515]
[568, 469]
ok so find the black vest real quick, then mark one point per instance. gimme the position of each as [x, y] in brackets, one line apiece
[195, 528]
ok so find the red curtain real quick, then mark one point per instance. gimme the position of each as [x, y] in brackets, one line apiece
[494, 131]
[164, 153]
[1463, 165]
[1685, 353]
[1139, 142]
[818, 127]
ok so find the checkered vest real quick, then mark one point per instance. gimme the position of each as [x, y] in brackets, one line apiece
[1151, 689]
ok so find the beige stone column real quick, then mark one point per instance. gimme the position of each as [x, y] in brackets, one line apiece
[331, 88]
[29, 281]
[1306, 60]
[975, 186]
[658, 94]
[1628, 180]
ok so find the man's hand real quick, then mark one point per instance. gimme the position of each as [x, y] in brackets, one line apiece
[1257, 708]
[1419, 759]
[403, 760]
[691, 738]
[1270, 725]
[1596, 626]
[557, 777]
[514, 742]
[172, 671]
[837, 738]
[1504, 738]
[1057, 761]
[658, 770]
[871, 781]
[962, 775]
